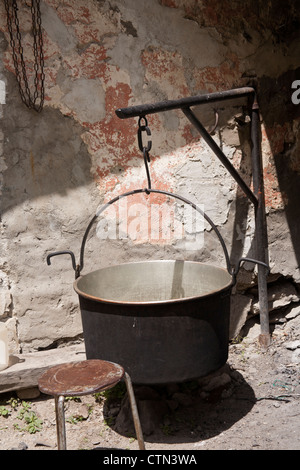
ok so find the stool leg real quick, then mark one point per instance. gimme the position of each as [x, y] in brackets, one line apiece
[60, 422]
[135, 415]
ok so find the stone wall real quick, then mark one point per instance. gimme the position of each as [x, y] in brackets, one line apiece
[57, 166]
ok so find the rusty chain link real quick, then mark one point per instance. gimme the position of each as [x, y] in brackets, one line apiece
[33, 100]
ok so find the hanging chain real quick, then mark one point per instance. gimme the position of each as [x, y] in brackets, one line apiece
[33, 100]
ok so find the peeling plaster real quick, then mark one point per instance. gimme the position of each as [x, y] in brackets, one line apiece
[57, 167]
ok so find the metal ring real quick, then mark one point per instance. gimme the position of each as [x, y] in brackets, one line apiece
[144, 128]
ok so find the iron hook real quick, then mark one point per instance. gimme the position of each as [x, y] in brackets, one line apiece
[65, 252]
[216, 122]
[146, 160]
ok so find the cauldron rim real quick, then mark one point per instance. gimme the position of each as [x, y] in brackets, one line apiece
[83, 294]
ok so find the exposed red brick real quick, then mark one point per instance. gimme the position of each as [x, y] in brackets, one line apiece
[274, 198]
[167, 68]
[225, 76]
[89, 64]
[70, 12]
[115, 135]
[277, 136]
[169, 3]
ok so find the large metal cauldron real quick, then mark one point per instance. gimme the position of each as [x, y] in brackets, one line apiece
[163, 321]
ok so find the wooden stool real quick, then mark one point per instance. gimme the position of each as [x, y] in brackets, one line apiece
[84, 378]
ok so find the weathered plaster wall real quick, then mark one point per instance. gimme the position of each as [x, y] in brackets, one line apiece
[59, 165]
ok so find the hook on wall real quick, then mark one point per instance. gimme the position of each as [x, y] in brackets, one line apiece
[212, 130]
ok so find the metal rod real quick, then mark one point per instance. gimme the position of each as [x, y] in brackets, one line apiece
[135, 414]
[152, 108]
[261, 236]
[184, 104]
[222, 157]
[60, 422]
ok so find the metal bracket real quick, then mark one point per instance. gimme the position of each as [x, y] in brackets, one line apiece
[256, 197]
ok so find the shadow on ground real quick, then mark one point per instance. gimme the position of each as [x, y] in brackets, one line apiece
[187, 412]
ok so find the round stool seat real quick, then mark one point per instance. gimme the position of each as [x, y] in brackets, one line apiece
[80, 378]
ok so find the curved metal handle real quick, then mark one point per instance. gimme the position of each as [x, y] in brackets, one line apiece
[65, 252]
[147, 191]
[78, 268]
[250, 260]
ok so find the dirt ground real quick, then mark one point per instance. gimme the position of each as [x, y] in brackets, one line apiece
[252, 403]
